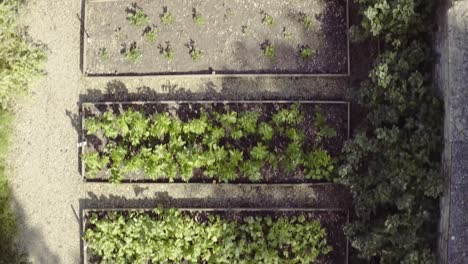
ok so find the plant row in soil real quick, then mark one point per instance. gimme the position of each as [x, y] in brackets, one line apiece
[215, 236]
[213, 142]
[240, 36]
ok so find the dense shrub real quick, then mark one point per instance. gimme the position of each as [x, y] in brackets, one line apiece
[392, 164]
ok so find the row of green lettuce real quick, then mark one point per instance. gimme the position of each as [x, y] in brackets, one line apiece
[20, 63]
[393, 163]
[222, 143]
[170, 236]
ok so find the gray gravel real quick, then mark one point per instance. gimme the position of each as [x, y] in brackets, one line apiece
[48, 190]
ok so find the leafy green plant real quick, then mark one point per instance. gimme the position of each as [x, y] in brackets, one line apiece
[267, 19]
[119, 35]
[94, 163]
[160, 236]
[319, 165]
[229, 13]
[320, 123]
[133, 53]
[21, 60]
[167, 18]
[308, 22]
[103, 54]
[246, 32]
[287, 35]
[209, 142]
[195, 53]
[150, 34]
[268, 49]
[136, 16]
[306, 52]
[198, 18]
[392, 164]
[167, 52]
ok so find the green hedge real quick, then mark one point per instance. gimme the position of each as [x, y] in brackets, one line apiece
[392, 164]
[169, 236]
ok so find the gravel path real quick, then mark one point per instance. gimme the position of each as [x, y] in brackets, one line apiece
[47, 188]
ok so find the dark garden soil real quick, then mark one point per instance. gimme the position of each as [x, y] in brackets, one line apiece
[335, 112]
[232, 38]
[333, 221]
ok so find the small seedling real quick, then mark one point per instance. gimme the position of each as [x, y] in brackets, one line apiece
[119, 35]
[167, 52]
[308, 22]
[194, 52]
[150, 34]
[268, 49]
[198, 18]
[306, 52]
[267, 19]
[229, 13]
[133, 54]
[246, 32]
[103, 54]
[287, 35]
[167, 18]
[136, 16]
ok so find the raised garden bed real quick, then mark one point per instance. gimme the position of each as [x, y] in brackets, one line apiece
[209, 141]
[299, 235]
[293, 37]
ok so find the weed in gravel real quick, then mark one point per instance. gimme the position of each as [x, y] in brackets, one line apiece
[136, 16]
[198, 18]
[194, 52]
[150, 34]
[167, 52]
[133, 53]
[167, 18]
[306, 52]
[268, 49]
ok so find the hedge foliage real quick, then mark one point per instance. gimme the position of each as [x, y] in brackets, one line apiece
[169, 236]
[392, 165]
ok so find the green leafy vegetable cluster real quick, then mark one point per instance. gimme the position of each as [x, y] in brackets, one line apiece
[136, 16]
[269, 50]
[224, 145]
[167, 18]
[170, 236]
[392, 164]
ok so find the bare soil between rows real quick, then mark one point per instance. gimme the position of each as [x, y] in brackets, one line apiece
[333, 221]
[336, 113]
[232, 39]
